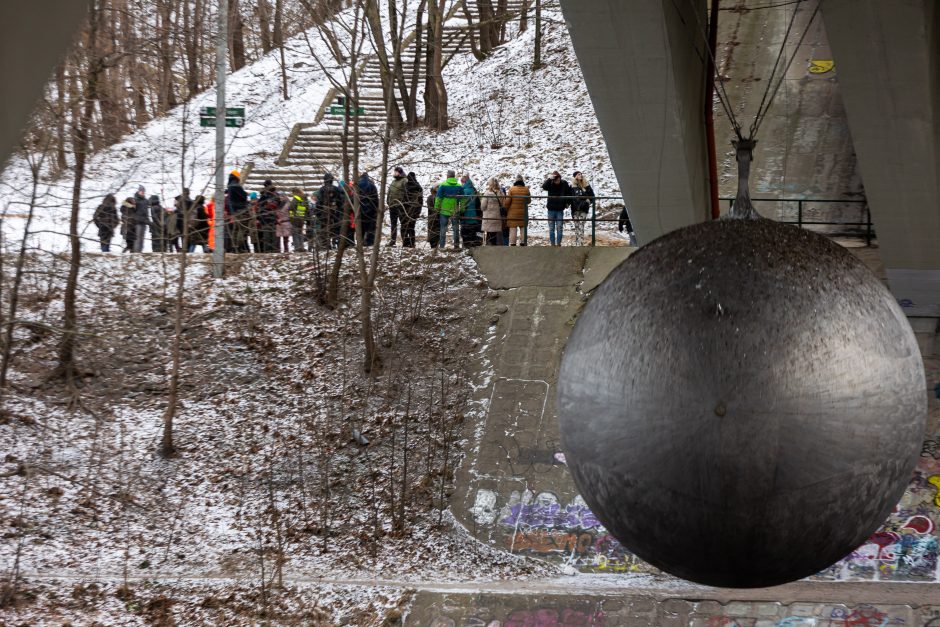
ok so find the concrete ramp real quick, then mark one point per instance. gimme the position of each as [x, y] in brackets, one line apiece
[514, 490]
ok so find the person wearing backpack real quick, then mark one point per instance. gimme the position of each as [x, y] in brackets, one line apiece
[106, 219]
[582, 204]
[329, 213]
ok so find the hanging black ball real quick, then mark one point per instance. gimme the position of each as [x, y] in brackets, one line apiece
[742, 403]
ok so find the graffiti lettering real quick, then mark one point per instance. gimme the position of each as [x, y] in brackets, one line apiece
[931, 449]
[544, 541]
[551, 516]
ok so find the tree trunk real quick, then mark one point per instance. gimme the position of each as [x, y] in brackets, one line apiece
[471, 31]
[537, 62]
[435, 92]
[524, 16]
[66, 366]
[192, 31]
[236, 35]
[352, 95]
[412, 111]
[60, 162]
[397, 29]
[392, 112]
[279, 42]
[485, 12]
[264, 25]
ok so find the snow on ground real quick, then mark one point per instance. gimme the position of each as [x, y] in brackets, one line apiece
[268, 478]
[153, 156]
[506, 120]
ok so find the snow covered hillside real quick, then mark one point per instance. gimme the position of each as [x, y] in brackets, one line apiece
[154, 156]
[506, 120]
[271, 486]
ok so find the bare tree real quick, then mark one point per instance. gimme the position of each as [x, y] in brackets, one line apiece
[66, 366]
[435, 92]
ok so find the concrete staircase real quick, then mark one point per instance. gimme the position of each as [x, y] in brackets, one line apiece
[315, 147]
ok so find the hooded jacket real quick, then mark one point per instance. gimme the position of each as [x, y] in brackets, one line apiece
[106, 215]
[449, 199]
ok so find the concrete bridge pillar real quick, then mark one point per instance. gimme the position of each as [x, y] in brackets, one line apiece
[643, 63]
[887, 57]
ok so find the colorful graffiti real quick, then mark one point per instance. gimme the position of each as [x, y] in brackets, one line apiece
[805, 615]
[542, 526]
[549, 514]
[545, 617]
[906, 547]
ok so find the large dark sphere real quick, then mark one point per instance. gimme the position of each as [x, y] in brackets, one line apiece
[742, 403]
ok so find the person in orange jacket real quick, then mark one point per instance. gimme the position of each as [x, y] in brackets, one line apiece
[210, 211]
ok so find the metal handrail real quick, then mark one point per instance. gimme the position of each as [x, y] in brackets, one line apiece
[800, 222]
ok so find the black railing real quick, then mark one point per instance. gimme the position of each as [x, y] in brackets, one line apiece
[802, 222]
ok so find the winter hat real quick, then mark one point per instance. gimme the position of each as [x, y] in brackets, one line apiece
[236, 174]
[253, 195]
[399, 171]
[141, 190]
[327, 178]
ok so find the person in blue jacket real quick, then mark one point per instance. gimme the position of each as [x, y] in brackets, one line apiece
[470, 222]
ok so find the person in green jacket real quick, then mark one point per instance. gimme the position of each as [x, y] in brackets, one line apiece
[449, 203]
[395, 199]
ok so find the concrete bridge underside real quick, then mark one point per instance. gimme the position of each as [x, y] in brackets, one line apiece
[867, 127]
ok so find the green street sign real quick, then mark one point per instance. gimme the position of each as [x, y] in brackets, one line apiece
[338, 110]
[229, 122]
[231, 112]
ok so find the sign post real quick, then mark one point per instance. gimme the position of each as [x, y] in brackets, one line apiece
[218, 253]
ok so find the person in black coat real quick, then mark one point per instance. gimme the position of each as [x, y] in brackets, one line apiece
[268, 203]
[106, 219]
[624, 224]
[183, 204]
[582, 205]
[329, 213]
[157, 225]
[414, 198]
[128, 224]
[368, 208]
[238, 215]
[198, 227]
[141, 218]
[558, 192]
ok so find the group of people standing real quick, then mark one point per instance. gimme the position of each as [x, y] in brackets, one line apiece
[501, 214]
[167, 225]
[275, 221]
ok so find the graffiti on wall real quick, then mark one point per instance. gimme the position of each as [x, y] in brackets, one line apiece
[906, 547]
[542, 525]
[545, 617]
